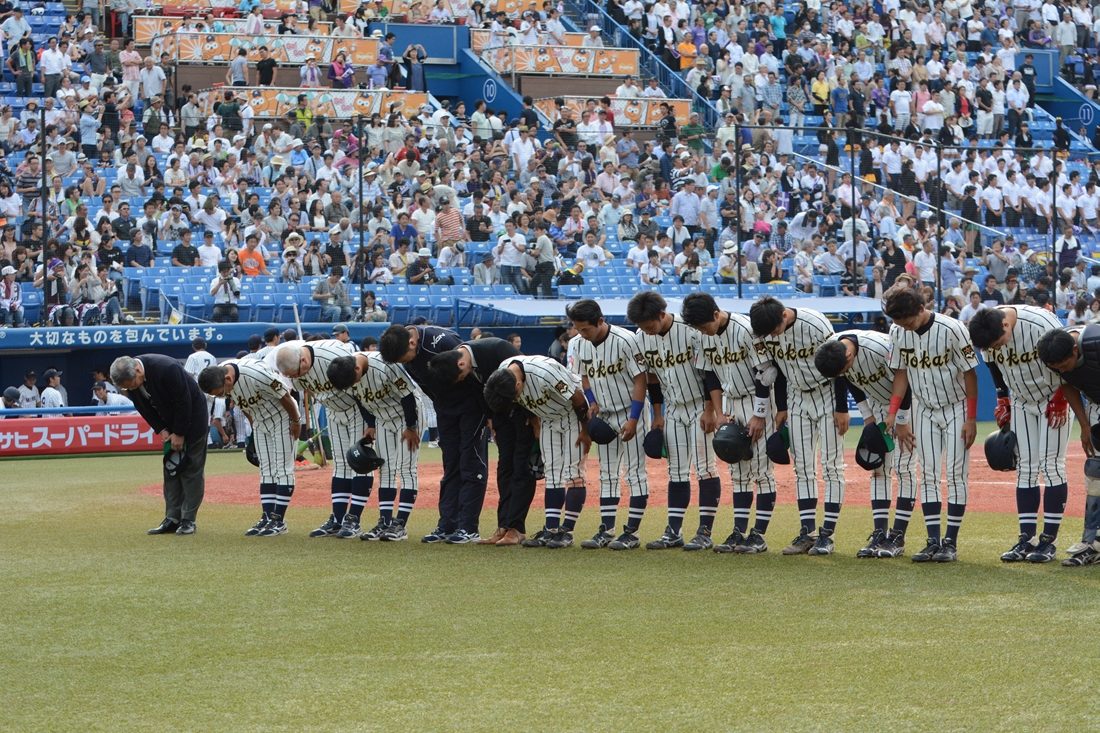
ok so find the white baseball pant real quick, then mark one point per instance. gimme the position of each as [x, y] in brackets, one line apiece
[938, 433]
[1042, 448]
[811, 425]
[275, 449]
[757, 469]
[345, 429]
[400, 462]
[899, 462]
[562, 458]
[619, 455]
[688, 446]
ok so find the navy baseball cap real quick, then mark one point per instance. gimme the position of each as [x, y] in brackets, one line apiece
[254, 342]
[271, 334]
[11, 394]
[100, 385]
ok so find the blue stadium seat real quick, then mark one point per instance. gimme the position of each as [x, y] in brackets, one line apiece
[263, 307]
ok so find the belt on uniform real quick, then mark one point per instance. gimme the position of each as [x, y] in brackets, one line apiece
[815, 388]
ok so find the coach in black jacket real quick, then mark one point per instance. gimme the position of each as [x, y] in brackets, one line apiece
[174, 406]
[471, 364]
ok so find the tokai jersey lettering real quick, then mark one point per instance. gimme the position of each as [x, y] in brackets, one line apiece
[666, 359]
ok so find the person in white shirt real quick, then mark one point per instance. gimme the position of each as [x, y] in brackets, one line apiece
[199, 358]
[51, 395]
[628, 89]
[651, 273]
[638, 255]
[591, 253]
[925, 262]
[653, 91]
[972, 308]
[511, 252]
[105, 397]
[209, 253]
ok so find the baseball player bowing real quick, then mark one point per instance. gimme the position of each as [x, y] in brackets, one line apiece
[790, 337]
[613, 378]
[932, 355]
[859, 362]
[686, 407]
[1074, 353]
[547, 390]
[1031, 401]
[746, 375]
[273, 413]
[306, 364]
[393, 412]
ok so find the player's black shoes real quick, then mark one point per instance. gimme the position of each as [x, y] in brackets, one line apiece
[394, 532]
[800, 544]
[1044, 551]
[436, 536]
[462, 537]
[701, 540]
[928, 554]
[947, 552]
[731, 543]
[671, 538]
[754, 544]
[349, 528]
[601, 539]
[628, 540]
[275, 526]
[874, 542]
[559, 538]
[892, 546]
[328, 529]
[1081, 554]
[538, 539]
[1019, 551]
[375, 533]
[256, 528]
[823, 545]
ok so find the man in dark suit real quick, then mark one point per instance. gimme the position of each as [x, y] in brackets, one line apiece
[174, 406]
[472, 363]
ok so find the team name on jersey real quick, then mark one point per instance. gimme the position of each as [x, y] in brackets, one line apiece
[315, 385]
[724, 356]
[864, 379]
[656, 360]
[1010, 357]
[910, 359]
[245, 402]
[603, 370]
[531, 403]
[790, 353]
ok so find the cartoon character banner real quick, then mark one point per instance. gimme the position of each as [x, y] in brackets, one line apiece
[393, 7]
[563, 60]
[332, 103]
[479, 39]
[271, 6]
[286, 50]
[146, 27]
[628, 112]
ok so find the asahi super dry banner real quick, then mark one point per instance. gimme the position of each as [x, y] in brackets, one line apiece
[269, 102]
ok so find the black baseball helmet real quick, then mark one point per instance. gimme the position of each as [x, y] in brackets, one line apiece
[871, 449]
[250, 451]
[175, 460]
[776, 447]
[654, 444]
[362, 458]
[1000, 450]
[1092, 467]
[600, 431]
[732, 443]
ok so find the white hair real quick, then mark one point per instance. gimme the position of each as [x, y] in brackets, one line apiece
[123, 369]
[288, 359]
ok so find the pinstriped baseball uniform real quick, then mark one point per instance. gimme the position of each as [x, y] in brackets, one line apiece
[1031, 385]
[731, 354]
[676, 358]
[547, 393]
[611, 367]
[935, 358]
[345, 422]
[380, 391]
[258, 391]
[871, 374]
[810, 402]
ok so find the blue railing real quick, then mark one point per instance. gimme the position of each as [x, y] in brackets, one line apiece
[588, 12]
[66, 411]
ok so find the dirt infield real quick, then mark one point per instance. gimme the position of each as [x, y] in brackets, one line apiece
[990, 491]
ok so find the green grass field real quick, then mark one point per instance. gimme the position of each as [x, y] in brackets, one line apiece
[106, 629]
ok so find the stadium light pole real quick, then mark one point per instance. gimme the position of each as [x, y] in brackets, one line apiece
[1054, 230]
[42, 197]
[941, 229]
[855, 221]
[737, 195]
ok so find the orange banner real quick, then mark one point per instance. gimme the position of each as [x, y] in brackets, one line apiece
[392, 7]
[287, 50]
[268, 102]
[148, 26]
[479, 39]
[38, 436]
[563, 60]
[628, 112]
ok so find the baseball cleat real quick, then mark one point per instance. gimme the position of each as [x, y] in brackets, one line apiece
[187, 526]
[395, 532]
[375, 533]
[256, 528]
[462, 537]
[349, 528]
[948, 552]
[701, 540]
[538, 539]
[275, 526]
[754, 544]
[877, 538]
[892, 546]
[823, 545]
[1044, 551]
[731, 543]
[601, 539]
[559, 538]
[1081, 554]
[1019, 551]
[800, 544]
[669, 539]
[435, 536]
[929, 551]
[328, 529]
[628, 540]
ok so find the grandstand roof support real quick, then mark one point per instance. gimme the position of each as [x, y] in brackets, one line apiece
[737, 194]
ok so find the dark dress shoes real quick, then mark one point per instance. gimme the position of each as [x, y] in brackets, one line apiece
[168, 526]
[187, 526]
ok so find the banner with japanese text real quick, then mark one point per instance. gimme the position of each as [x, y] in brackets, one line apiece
[43, 436]
[198, 6]
[563, 60]
[286, 50]
[146, 27]
[332, 103]
[637, 112]
[479, 39]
